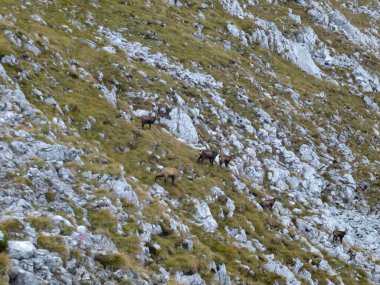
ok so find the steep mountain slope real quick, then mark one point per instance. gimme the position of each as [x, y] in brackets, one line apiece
[290, 87]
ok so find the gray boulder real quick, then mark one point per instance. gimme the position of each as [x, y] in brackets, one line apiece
[181, 125]
[20, 276]
[204, 217]
[194, 279]
[21, 249]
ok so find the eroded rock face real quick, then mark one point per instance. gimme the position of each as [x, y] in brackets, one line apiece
[221, 276]
[21, 249]
[23, 277]
[271, 38]
[234, 8]
[276, 267]
[30, 265]
[194, 279]
[123, 189]
[338, 21]
[181, 125]
[204, 217]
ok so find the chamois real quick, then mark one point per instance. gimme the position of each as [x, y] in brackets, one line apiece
[225, 159]
[338, 235]
[268, 203]
[209, 154]
[149, 120]
[171, 172]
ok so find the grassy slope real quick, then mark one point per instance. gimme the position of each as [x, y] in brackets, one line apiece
[85, 100]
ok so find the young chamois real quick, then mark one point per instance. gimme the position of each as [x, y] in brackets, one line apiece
[209, 154]
[225, 159]
[268, 203]
[149, 120]
[338, 235]
[170, 172]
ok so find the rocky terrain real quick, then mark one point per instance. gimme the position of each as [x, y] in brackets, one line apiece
[290, 87]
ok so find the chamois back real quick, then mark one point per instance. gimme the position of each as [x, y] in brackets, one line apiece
[209, 154]
[149, 120]
[170, 172]
[225, 159]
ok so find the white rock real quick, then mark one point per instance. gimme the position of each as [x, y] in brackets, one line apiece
[110, 95]
[158, 191]
[194, 279]
[30, 46]
[280, 269]
[21, 249]
[38, 19]
[123, 189]
[181, 125]
[10, 59]
[221, 277]
[4, 75]
[109, 49]
[231, 207]
[271, 38]
[204, 217]
[236, 32]
[136, 51]
[233, 8]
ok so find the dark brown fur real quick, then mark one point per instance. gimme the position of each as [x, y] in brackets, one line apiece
[149, 120]
[209, 154]
[339, 235]
[225, 159]
[268, 204]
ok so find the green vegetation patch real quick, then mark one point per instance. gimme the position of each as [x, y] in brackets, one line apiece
[41, 223]
[54, 244]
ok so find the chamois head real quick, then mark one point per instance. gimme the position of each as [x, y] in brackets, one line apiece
[225, 159]
[149, 120]
[339, 235]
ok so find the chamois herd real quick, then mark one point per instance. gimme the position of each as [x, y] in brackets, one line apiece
[210, 154]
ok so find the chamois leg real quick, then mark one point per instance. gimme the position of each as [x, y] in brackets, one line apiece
[211, 162]
[173, 178]
[158, 176]
[200, 159]
[220, 163]
[226, 163]
[150, 126]
[142, 125]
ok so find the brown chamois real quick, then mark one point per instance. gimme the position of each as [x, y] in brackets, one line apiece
[149, 120]
[171, 172]
[209, 154]
[225, 159]
[268, 203]
[339, 235]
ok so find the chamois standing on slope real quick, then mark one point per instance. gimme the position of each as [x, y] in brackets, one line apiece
[149, 120]
[268, 203]
[225, 159]
[209, 154]
[338, 235]
[170, 172]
